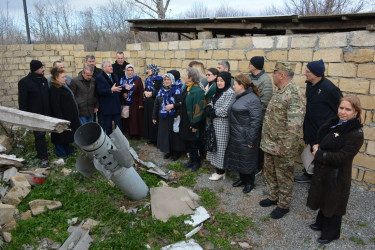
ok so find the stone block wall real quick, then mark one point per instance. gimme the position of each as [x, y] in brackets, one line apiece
[349, 59]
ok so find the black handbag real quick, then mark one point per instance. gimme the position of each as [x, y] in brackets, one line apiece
[210, 137]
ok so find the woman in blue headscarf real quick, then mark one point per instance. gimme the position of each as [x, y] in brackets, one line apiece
[165, 113]
[153, 84]
[133, 97]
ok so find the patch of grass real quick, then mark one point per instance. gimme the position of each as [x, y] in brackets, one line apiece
[357, 240]
[373, 240]
[208, 198]
[221, 190]
[361, 224]
[177, 167]
[266, 218]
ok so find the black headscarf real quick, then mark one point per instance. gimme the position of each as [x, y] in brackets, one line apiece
[227, 77]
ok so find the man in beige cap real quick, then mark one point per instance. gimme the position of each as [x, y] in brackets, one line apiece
[282, 127]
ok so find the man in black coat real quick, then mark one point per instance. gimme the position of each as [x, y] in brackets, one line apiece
[119, 65]
[322, 101]
[33, 97]
[107, 85]
[90, 61]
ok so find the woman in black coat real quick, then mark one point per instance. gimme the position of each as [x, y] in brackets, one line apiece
[63, 106]
[339, 139]
[245, 119]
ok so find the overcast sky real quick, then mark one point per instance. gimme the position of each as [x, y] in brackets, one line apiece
[15, 7]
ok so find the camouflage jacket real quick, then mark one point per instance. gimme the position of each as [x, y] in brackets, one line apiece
[283, 121]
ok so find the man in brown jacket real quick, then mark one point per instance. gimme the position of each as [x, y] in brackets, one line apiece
[83, 87]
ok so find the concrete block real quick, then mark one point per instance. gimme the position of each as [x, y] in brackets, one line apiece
[89, 224]
[354, 85]
[371, 148]
[372, 87]
[7, 213]
[225, 43]
[15, 195]
[133, 54]
[130, 46]
[79, 47]
[277, 55]
[13, 47]
[220, 55]
[150, 54]
[137, 47]
[65, 47]
[367, 102]
[342, 69]
[263, 42]
[243, 66]
[359, 56]
[145, 46]
[252, 53]
[298, 69]
[180, 54]
[360, 175]
[236, 54]
[304, 41]
[243, 42]
[39, 206]
[369, 133]
[210, 44]
[333, 40]
[7, 237]
[177, 63]
[184, 45]
[142, 54]
[165, 63]
[196, 44]
[362, 38]
[168, 54]
[19, 180]
[213, 64]
[300, 55]
[328, 55]
[39, 46]
[159, 54]
[234, 65]
[173, 45]
[282, 42]
[369, 177]
[6, 146]
[354, 173]
[191, 54]
[269, 66]
[205, 54]
[366, 70]
[363, 147]
[299, 81]
[364, 161]
[163, 45]
[154, 46]
[335, 81]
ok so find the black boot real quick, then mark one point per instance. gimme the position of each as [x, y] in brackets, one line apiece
[249, 182]
[176, 155]
[239, 182]
[196, 166]
[188, 164]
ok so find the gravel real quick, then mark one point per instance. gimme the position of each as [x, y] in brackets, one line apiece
[292, 231]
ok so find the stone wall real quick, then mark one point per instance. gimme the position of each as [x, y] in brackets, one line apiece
[349, 58]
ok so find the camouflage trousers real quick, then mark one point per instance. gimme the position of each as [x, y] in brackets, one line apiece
[279, 177]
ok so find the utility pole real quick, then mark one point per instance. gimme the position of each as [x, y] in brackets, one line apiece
[27, 22]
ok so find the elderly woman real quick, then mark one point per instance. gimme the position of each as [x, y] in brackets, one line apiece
[133, 97]
[210, 87]
[153, 83]
[245, 118]
[164, 109]
[63, 106]
[191, 110]
[217, 112]
[339, 140]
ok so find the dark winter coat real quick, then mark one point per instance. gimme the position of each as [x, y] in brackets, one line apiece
[245, 120]
[33, 94]
[109, 103]
[331, 182]
[63, 106]
[322, 101]
[85, 94]
[119, 70]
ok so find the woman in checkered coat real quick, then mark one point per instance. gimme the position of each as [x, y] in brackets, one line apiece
[217, 111]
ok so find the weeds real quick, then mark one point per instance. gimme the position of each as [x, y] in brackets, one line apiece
[357, 240]
[361, 224]
[208, 198]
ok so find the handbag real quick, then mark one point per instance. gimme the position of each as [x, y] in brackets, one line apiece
[210, 143]
[308, 160]
[125, 111]
[176, 125]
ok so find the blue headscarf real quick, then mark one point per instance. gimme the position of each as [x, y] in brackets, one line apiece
[149, 83]
[126, 80]
[167, 92]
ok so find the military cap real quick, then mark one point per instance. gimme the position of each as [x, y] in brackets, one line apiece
[285, 66]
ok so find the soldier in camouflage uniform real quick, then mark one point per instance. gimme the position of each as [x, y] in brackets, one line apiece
[282, 127]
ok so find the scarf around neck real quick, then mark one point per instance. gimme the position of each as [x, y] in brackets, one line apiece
[125, 80]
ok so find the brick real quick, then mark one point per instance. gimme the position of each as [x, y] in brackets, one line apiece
[335, 81]
[263, 42]
[362, 38]
[49, 53]
[212, 64]
[130, 46]
[79, 47]
[141, 54]
[333, 40]
[145, 46]
[298, 69]
[300, 55]
[176, 63]
[13, 47]
[220, 55]
[192, 54]
[371, 148]
[354, 85]
[369, 177]
[252, 53]
[236, 54]
[205, 35]
[137, 46]
[269, 66]
[154, 46]
[277, 55]
[354, 173]
[342, 69]
[180, 54]
[150, 54]
[369, 116]
[225, 43]
[328, 55]
[369, 133]
[210, 44]
[39, 46]
[364, 161]
[234, 65]
[363, 147]
[15, 195]
[304, 41]
[61, 53]
[133, 54]
[67, 59]
[372, 87]
[300, 81]
[168, 54]
[184, 45]
[243, 66]
[205, 54]
[196, 44]
[159, 54]
[22, 53]
[282, 42]
[165, 63]
[359, 56]
[163, 46]
[361, 173]
[173, 45]
[366, 70]
[243, 42]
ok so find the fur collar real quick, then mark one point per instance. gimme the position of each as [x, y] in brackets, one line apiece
[55, 83]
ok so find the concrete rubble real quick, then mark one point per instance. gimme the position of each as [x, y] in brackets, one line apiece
[89, 224]
[10, 172]
[184, 245]
[78, 240]
[11, 160]
[19, 180]
[7, 237]
[15, 195]
[39, 206]
[5, 144]
[7, 217]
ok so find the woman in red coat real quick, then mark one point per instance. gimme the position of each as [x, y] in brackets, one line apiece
[340, 139]
[133, 97]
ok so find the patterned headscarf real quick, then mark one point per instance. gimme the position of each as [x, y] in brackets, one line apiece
[154, 69]
[168, 94]
[130, 81]
[171, 77]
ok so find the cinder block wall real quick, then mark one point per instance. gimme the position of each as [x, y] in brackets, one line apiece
[349, 58]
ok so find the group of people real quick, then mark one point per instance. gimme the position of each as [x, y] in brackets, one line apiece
[255, 127]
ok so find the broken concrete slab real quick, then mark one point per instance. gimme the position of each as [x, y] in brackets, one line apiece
[89, 224]
[66, 172]
[7, 213]
[78, 240]
[47, 243]
[59, 162]
[168, 201]
[19, 180]
[194, 231]
[3, 190]
[200, 215]
[183, 245]
[39, 206]
[15, 195]
[5, 144]
[26, 215]
[7, 237]
[10, 172]
[11, 160]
